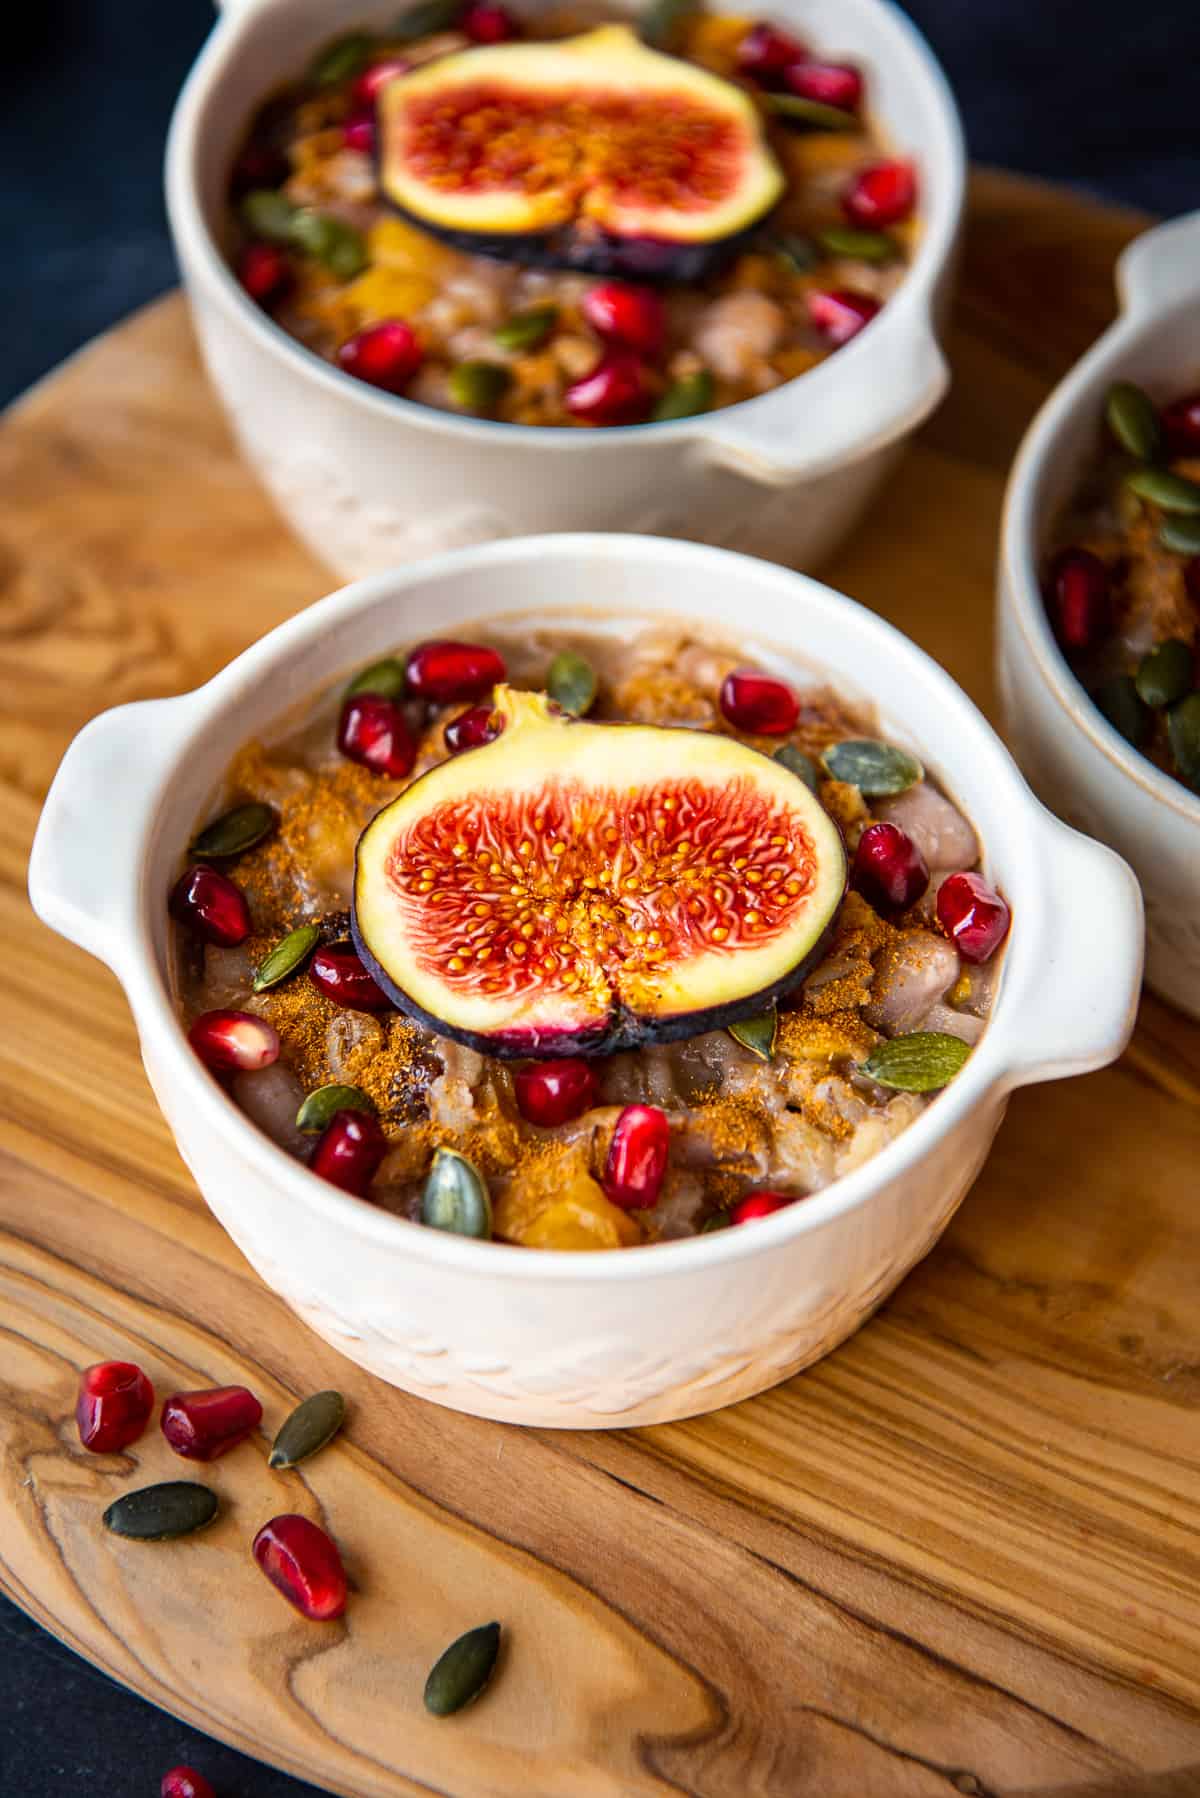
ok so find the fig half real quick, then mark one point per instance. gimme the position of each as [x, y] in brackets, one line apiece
[573, 887]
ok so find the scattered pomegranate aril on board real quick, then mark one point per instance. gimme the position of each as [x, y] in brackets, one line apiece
[265, 272]
[637, 1157]
[486, 23]
[554, 1092]
[337, 971]
[889, 870]
[470, 730]
[349, 1151]
[881, 195]
[758, 705]
[832, 83]
[234, 1039]
[759, 1204]
[202, 1425]
[365, 90]
[185, 1782]
[615, 392]
[444, 671]
[113, 1406]
[303, 1563]
[839, 313]
[1078, 599]
[621, 313]
[209, 905]
[1181, 425]
[373, 731]
[766, 54]
[358, 133]
[973, 915]
[385, 355]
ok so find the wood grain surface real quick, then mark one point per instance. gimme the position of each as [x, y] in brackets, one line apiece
[959, 1556]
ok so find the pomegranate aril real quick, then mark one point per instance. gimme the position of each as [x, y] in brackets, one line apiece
[234, 1039]
[487, 23]
[1181, 425]
[881, 195]
[620, 313]
[889, 870]
[265, 272]
[202, 1425]
[637, 1157]
[365, 91]
[839, 313]
[973, 915]
[471, 729]
[758, 705]
[349, 1151]
[210, 906]
[358, 133]
[185, 1782]
[373, 731]
[259, 166]
[303, 1563]
[113, 1406]
[1078, 598]
[336, 971]
[766, 54]
[554, 1092]
[385, 355]
[444, 671]
[832, 83]
[759, 1204]
[616, 392]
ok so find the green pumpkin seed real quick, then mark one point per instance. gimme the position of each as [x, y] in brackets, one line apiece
[799, 255]
[757, 1034]
[338, 245]
[1183, 732]
[797, 763]
[157, 1513]
[662, 20]
[1180, 535]
[1165, 673]
[921, 1062]
[461, 1674]
[340, 60]
[233, 832]
[322, 1104]
[1172, 492]
[874, 768]
[526, 330]
[456, 1197]
[686, 397]
[864, 246]
[716, 1220]
[386, 678]
[289, 953]
[313, 1423]
[426, 18]
[812, 115]
[478, 386]
[571, 682]
[1133, 420]
[269, 214]
[1121, 704]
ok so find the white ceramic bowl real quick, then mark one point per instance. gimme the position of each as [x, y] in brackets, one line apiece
[1068, 750]
[638, 1335]
[369, 481]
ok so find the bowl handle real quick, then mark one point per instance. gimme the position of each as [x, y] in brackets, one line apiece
[1161, 268]
[1080, 1001]
[85, 866]
[889, 388]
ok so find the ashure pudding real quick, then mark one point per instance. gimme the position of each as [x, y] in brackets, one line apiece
[580, 943]
[1123, 584]
[575, 222]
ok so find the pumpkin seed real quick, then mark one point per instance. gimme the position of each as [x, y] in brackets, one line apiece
[526, 330]
[478, 386]
[662, 20]
[920, 1062]
[1165, 673]
[424, 19]
[1173, 492]
[865, 246]
[157, 1513]
[797, 763]
[716, 1220]
[1121, 704]
[462, 1673]
[571, 682]
[386, 678]
[313, 1423]
[1180, 535]
[233, 832]
[686, 397]
[874, 768]
[813, 114]
[338, 245]
[340, 60]
[799, 255]
[322, 1104]
[289, 953]
[269, 214]
[1183, 731]
[1133, 420]
[456, 1196]
[757, 1034]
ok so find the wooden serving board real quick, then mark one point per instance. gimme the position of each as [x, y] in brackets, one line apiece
[959, 1556]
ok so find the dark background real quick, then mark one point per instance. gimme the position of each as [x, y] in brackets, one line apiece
[1101, 94]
